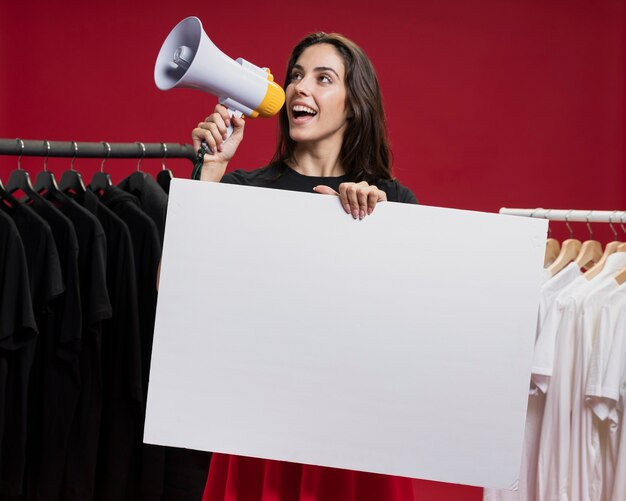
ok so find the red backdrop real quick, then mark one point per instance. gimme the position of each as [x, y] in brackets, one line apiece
[491, 103]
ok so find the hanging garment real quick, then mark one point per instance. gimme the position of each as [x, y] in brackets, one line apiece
[45, 281]
[151, 196]
[614, 389]
[553, 468]
[601, 397]
[17, 325]
[121, 360]
[96, 307]
[586, 472]
[55, 380]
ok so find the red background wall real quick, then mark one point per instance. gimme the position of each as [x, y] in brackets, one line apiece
[491, 103]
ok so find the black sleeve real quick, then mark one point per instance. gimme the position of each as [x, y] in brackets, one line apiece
[405, 195]
[396, 192]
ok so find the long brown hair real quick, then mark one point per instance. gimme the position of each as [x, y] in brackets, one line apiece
[365, 153]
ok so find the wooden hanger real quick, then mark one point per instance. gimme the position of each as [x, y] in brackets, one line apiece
[553, 247]
[611, 248]
[569, 250]
[620, 278]
[590, 251]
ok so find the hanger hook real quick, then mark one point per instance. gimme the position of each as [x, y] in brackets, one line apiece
[143, 154]
[611, 225]
[571, 232]
[107, 155]
[19, 158]
[546, 217]
[45, 160]
[75, 145]
[589, 226]
[164, 155]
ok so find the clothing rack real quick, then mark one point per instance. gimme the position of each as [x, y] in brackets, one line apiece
[584, 216]
[73, 149]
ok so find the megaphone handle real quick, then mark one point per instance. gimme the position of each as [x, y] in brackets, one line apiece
[229, 130]
[204, 148]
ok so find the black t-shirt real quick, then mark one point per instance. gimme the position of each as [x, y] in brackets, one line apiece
[147, 253]
[151, 196]
[282, 177]
[17, 320]
[55, 378]
[96, 307]
[44, 271]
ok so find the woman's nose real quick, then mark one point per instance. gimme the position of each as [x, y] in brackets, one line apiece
[302, 86]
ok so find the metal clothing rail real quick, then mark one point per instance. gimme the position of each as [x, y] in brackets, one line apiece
[73, 149]
[584, 216]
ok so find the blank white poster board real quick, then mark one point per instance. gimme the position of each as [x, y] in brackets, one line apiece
[398, 344]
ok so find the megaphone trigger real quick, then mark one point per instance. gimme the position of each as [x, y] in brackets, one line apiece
[229, 131]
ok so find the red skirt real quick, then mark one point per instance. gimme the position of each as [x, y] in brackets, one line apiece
[237, 478]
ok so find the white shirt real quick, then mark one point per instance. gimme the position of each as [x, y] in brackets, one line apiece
[586, 472]
[553, 465]
[614, 391]
[600, 398]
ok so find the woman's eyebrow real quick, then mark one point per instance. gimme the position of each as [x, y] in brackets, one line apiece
[317, 69]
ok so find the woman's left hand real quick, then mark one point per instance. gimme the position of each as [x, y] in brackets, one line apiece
[358, 199]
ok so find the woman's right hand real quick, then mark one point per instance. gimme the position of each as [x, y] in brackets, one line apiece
[212, 131]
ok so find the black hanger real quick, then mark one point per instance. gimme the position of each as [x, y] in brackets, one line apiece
[46, 184]
[71, 180]
[19, 178]
[101, 181]
[6, 199]
[165, 176]
[137, 179]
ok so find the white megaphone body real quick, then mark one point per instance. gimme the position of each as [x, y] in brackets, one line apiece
[188, 59]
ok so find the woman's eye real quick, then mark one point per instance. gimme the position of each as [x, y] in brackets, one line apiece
[296, 76]
[325, 79]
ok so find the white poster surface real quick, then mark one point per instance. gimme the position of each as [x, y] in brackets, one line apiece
[398, 344]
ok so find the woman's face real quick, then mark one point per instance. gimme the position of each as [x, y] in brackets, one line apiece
[316, 96]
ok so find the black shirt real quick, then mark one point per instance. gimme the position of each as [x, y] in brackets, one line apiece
[17, 320]
[44, 271]
[55, 378]
[282, 177]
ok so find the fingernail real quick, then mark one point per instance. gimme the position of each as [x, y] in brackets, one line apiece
[225, 137]
[361, 214]
[369, 210]
[355, 214]
[219, 148]
[346, 207]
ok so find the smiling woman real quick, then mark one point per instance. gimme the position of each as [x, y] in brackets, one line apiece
[332, 131]
[333, 140]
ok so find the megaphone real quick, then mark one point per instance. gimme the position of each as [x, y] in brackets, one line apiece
[188, 59]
